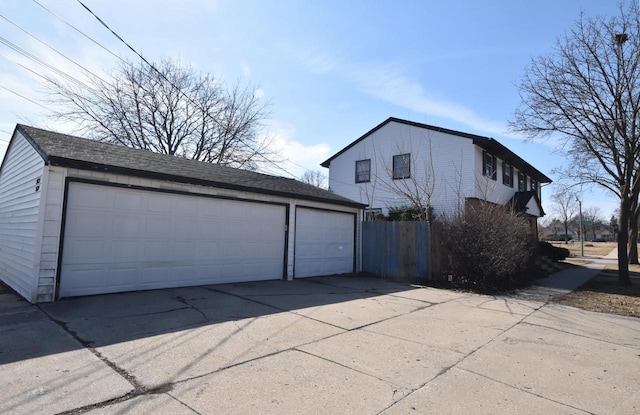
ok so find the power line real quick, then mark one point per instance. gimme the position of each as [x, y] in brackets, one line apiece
[79, 31]
[23, 97]
[51, 47]
[36, 59]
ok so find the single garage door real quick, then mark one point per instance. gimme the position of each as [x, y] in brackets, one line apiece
[119, 239]
[324, 243]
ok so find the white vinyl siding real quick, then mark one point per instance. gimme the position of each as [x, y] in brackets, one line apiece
[19, 217]
[446, 161]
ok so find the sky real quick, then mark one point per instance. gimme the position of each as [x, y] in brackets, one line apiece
[329, 70]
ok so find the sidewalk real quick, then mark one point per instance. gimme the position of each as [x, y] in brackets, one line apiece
[565, 281]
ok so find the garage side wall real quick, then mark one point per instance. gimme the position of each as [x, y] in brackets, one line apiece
[21, 189]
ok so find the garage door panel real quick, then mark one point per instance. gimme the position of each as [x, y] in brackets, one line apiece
[324, 242]
[144, 240]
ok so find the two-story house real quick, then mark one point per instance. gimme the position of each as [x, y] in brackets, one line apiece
[403, 164]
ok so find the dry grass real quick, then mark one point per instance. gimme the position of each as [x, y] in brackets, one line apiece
[603, 293]
[590, 248]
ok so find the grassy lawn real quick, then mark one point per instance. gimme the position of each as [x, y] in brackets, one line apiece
[590, 248]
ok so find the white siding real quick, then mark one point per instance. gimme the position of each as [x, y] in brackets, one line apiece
[446, 160]
[493, 190]
[19, 217]
[451, 166]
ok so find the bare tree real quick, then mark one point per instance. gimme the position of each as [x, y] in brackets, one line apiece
[592, 214]
[415, 190]
[587, 92]
[566, 206]
[167, 108]
[314, 178]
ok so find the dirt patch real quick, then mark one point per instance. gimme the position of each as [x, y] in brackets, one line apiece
[603, 294]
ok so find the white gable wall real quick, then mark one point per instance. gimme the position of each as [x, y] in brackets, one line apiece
[20, 215]
[444, 161]
[452, 165]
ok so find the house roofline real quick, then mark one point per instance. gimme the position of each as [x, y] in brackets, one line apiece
[487, 143]
[53, 160]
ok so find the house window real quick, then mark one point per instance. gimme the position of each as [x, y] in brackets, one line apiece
[534, 185]
[363, 171]
[507, 174]
[522, 182]
[402, 166]
[489, 166]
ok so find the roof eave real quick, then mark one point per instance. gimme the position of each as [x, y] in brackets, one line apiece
[84, 165]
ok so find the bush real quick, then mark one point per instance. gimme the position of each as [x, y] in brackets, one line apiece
[489, 248]
[556, 253]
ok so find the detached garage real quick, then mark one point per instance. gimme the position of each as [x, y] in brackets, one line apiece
[81, 217]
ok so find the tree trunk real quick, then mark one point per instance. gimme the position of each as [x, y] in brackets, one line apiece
[623, 239]
[566, 229]
[633, 236]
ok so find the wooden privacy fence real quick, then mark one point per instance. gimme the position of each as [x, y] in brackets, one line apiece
[397, 249]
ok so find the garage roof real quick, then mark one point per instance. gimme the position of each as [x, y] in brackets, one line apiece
[69, 151]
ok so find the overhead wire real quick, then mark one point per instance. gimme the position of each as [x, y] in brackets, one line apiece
[23, 97]
[51, 48]
[130, 47]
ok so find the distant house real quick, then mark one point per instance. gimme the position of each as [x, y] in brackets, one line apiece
[80, 217]
[401, 164]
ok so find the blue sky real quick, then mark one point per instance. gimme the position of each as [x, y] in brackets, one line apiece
[331, 70]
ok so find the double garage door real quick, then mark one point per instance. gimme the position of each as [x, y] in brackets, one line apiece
[119, 239]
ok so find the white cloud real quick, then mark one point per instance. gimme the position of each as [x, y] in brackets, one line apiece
[295, 156]
[390, 83]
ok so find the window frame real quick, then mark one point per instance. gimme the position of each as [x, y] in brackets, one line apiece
[507, 179]
[522, 182]
[533, 184]
[359, 174]
[489, 165]
[406, 166]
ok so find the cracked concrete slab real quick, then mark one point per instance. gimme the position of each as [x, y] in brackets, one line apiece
[461, 392]
[43, 369]
[346, 311]
[606, 327]
[378, 285]
[432, 295]
[161, 404]
[501, 303]
[563, 367]
[340, 349]
[400, 362]
[452, 325]
[184, 354]
[291, 382]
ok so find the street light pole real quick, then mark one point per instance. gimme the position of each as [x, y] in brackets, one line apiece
[581, 228]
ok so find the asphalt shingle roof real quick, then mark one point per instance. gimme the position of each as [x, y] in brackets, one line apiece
[70, 151]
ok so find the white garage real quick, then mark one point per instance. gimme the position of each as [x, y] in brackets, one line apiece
[119, 239]
[325, 242]
[81, 217]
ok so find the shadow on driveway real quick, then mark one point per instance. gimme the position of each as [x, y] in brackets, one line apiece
[26, 331]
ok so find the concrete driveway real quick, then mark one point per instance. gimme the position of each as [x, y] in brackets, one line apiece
[326, 345]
